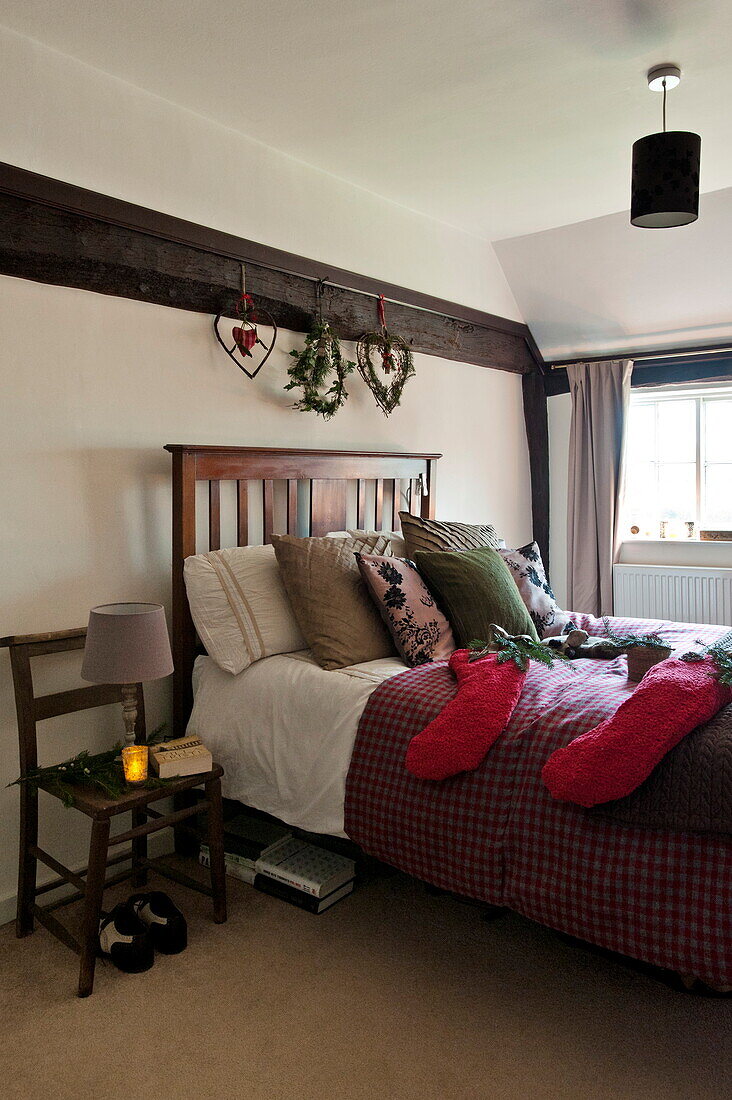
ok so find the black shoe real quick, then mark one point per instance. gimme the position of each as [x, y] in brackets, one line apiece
[164, 920]
[126, 940]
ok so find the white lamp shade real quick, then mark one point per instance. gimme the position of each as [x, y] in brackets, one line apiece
[126, 643]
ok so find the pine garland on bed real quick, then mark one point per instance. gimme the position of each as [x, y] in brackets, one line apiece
[632, 641]
[520, 648]
[721, 655]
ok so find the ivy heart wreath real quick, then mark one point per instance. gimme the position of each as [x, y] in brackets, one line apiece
[396, 357]
[320, 358]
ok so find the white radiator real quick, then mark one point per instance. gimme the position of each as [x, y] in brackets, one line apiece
[683, 594]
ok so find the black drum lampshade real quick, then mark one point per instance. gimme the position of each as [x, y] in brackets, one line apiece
[665, 183]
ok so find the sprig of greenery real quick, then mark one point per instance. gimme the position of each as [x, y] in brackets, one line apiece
[521, 650]
[102, 770]
[632, 641]
[721, 655]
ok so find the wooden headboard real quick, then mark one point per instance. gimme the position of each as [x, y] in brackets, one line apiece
[297, 492]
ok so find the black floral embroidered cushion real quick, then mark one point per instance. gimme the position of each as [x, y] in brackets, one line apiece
[528, 571]
[420, 631]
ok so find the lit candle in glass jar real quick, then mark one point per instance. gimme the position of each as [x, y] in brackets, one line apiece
[134, 762]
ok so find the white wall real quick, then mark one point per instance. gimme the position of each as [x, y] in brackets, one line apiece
[93, 386]
[633, 552]
[67, 120]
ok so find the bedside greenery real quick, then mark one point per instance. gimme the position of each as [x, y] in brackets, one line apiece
[102, 770]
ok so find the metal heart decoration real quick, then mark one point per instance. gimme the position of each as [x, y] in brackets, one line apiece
[395, 361]
[246, 336]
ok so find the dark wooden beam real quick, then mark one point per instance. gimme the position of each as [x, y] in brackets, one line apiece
[57, 233]
[537, 437]
[663, 371]
[656, 355]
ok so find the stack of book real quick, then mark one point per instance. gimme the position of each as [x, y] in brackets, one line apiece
[305, 875]
[246, 839]
[269, 857]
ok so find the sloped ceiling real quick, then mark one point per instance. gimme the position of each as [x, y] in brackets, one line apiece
[504, 119]
[604, 286]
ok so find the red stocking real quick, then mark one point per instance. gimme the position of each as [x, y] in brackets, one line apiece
[464, 730]
[613, 759]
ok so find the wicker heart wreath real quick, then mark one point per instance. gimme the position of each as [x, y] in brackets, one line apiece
[396, 361]
[246, 335]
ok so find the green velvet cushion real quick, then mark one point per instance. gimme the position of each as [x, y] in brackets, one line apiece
[475, 589]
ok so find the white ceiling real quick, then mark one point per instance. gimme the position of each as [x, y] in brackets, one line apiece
[502, 118]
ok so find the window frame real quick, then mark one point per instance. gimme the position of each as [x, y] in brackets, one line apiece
[702, 396]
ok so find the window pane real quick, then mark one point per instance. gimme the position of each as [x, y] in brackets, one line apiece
[677, 490]
[718, 431]
[677, 431]
[718, 498]
[641, 434]
[641, 504]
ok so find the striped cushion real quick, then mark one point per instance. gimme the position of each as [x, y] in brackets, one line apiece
[240, 607]
[434, 534]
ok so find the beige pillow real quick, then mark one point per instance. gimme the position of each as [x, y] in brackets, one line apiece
[334, 610]
[397, 546]
[435, 534]
[239, 606]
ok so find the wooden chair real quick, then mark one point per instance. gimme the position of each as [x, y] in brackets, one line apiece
[91, 882]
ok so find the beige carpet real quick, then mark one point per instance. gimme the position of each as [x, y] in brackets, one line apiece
[392, 994]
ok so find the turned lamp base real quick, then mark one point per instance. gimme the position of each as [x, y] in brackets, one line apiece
[129, 711]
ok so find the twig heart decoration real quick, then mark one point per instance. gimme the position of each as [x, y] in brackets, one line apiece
[396, 360]
[246, 335]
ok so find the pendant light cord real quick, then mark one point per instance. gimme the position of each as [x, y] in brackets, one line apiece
[664, 105]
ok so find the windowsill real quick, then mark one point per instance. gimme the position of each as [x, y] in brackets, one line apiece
[687, 553]
[678, 542]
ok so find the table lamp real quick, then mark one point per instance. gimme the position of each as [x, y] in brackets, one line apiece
[127, 643]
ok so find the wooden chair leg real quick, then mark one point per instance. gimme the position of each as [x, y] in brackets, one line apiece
[27, 862]
[216, 848]
[95, 877]
[139, 851]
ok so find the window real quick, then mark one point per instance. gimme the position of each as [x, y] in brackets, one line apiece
[678, 463]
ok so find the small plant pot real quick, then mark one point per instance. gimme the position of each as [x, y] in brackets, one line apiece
[643, 657]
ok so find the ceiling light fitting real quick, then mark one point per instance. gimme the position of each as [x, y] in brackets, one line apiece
[665, 181]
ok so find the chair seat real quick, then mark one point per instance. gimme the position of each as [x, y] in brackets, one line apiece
[99, 806]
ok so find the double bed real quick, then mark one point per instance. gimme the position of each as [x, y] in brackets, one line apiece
[324, 750]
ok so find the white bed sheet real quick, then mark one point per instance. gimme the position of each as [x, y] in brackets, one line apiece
[284, 731]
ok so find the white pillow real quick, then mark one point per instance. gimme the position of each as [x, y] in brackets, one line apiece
[240, 607]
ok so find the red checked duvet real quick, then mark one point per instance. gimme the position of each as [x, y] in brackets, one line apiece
[497, 834]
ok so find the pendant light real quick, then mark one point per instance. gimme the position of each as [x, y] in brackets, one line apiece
[665, 184]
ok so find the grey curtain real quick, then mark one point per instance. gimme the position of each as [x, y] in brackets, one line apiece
[600, 394]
